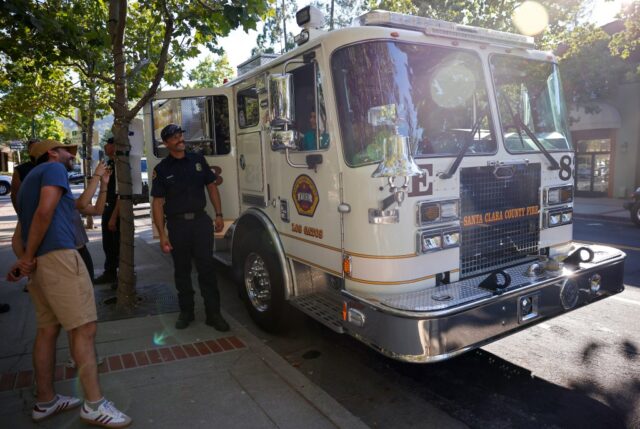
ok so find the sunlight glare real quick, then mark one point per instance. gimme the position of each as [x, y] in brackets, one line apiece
[530, 18]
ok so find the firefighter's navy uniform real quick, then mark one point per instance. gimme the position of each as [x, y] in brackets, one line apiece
[182, 183]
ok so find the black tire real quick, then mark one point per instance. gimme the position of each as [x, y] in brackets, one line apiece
[262, 285]
[5, 188]
[635, 213]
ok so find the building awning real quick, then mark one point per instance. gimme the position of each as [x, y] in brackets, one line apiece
[602, 116]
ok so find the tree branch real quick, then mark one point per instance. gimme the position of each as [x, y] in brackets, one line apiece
[143, 63]
[209, 7]
[89, 74]
[162, 62]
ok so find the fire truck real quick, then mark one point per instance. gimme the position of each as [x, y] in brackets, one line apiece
[405, 181]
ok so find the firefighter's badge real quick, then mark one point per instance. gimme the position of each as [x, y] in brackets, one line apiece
[305, 195]
[198, 167]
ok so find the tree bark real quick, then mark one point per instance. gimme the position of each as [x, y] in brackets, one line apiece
[122, 118]
[126, 277]
[88, 147]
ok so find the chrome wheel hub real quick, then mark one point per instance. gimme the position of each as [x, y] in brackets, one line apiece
[257, 282]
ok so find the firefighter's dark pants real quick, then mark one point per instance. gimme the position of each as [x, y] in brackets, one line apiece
[192, 239]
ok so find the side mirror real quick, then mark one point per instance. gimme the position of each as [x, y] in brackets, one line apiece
[281, 95]
[288, 139]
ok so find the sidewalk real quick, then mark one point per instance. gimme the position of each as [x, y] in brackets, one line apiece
[609, 208]
[161, 377]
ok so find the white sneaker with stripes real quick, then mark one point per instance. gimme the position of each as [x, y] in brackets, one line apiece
[63, 403]
[107, 415]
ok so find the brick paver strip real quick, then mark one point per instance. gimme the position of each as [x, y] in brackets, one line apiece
[115, 363]
[191, 351]
[7, 381]
[12, 380]
[178, 352]
[235, 341]
[202, 348]
[128, 360]
[25, 378]
[154, 356]
[59, 374]
[166, 354]
[141, 358]
[214, 346]
[226, 345]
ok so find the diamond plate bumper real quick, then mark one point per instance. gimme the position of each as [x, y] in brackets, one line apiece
[441, 322]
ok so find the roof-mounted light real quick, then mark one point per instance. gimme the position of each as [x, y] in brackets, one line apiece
[310, 17]
[445, 29]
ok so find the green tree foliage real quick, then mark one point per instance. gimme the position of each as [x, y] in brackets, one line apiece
[210, 72]
[271, 39]
[590, 71]
[626, 42]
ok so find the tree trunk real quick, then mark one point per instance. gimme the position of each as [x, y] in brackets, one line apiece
[88, 147]
[120, 129]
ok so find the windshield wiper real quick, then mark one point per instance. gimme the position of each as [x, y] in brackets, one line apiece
[467, 144]
[520, 126]
[554, 164]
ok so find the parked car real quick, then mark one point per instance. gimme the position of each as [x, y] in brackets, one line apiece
[5, 184]
[634, 207]
[76, 177]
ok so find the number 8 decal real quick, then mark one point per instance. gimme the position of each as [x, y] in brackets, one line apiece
[565, 168]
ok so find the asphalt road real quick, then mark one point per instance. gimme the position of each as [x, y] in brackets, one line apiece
[578, 370]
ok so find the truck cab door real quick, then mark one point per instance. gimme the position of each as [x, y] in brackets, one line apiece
[208, 117]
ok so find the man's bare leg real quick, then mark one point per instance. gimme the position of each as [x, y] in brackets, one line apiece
[83, 352]
[44, 361]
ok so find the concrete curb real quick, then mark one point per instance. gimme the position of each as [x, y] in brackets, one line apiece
[318, 398]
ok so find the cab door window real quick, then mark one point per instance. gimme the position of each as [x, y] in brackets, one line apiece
[309, 109]
[205, 121]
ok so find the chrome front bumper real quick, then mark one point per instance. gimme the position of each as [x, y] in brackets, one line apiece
[447, 320]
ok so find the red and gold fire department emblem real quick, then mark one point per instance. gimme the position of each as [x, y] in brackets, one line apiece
[305, 195]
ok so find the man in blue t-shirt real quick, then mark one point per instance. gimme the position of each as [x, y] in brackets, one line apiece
[59, 286]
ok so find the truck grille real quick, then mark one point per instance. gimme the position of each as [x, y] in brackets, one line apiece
[500, 216]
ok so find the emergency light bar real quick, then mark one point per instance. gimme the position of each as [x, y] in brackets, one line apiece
[445, 29]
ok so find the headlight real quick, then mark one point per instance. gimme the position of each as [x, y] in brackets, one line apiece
[449, 210]
[558, 217]
[451, 238]
[559, 195]
[430, 242]
[438, 211]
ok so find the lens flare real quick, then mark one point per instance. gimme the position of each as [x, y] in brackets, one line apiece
[530, 18]
[159, 338]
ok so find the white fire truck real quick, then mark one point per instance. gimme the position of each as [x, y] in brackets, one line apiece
[405, 181]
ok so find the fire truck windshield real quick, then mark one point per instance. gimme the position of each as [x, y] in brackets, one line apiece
[435, 96]
[530, 103]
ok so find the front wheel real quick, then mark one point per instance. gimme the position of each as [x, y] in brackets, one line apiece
[635, 213]
[263, 288]
[4, 188]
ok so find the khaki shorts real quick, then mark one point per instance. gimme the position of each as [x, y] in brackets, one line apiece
[61, 290]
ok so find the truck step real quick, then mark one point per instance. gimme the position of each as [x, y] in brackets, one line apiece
[325, 307]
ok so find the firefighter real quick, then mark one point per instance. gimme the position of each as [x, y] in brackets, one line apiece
[179, 181]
